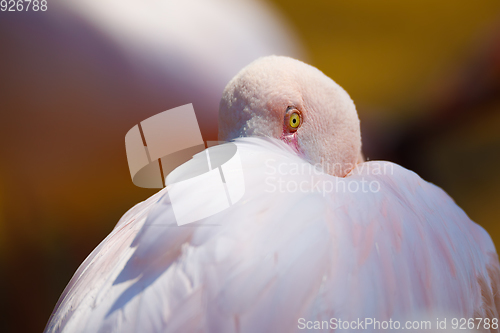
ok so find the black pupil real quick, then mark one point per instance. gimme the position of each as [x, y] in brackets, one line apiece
[294, 120]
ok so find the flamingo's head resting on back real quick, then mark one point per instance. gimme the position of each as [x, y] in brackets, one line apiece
[289, 100]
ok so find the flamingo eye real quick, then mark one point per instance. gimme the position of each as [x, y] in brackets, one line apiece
[294, 120]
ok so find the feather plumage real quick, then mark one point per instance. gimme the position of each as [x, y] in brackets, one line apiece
[402, 252]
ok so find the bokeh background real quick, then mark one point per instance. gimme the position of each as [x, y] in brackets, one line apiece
[425, 76]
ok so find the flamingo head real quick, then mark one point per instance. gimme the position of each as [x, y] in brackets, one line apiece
[289, 100]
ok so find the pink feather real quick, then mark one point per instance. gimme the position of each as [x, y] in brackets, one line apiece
[404, 252]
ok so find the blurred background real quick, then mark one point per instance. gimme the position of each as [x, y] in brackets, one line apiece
[425, 77]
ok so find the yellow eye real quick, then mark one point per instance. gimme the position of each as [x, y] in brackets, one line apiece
[294, 120]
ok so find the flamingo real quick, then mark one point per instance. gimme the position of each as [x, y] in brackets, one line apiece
[319, 236]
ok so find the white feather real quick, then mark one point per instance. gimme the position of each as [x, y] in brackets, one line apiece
[404, 252]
